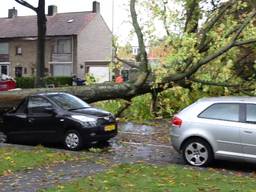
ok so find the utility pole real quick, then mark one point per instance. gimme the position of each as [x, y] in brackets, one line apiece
[112, 47]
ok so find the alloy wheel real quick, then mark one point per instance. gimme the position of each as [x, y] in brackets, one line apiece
[72, 141]
[196, 154]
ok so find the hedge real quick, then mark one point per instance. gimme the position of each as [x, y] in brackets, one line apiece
[28, 82]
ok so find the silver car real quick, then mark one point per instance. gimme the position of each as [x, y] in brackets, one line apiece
[216, 128]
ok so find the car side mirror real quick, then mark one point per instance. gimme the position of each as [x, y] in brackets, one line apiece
[50, 110]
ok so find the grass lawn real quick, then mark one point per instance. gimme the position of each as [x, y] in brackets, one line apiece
[13, 159]
[149, 178]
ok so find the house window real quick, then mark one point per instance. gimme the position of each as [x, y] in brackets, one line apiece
[4, 69]
[63, 46]
[18, 51]
[4, 48]
[61, 70]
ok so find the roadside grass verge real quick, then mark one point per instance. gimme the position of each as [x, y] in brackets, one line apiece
[13, 159]
[150, 178]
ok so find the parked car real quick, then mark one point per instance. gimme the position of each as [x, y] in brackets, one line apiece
[58, 117]
[216, 128]
[7, 83]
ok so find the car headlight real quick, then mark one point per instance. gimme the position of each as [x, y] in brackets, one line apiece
[86, 121]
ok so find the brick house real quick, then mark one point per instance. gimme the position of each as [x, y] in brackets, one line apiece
[76, 43]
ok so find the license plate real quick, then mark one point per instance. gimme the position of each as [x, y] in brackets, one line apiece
[109, 127]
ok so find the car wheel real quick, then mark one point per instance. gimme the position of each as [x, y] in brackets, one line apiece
[3, 138]
[197, 152]
[73, 140]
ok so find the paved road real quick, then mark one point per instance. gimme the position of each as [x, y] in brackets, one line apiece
[135, 143]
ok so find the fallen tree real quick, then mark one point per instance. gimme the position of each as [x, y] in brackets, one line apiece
[183, 75]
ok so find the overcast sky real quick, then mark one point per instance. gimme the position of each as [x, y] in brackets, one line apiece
[121, 26]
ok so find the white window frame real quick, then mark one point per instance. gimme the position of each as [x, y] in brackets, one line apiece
[5, 64]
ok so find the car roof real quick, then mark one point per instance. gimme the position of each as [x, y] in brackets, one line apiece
[49, 93]
[241, 99]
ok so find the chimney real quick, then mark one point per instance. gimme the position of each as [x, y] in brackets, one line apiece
[95, 7]
[52, 10]
[12, 13]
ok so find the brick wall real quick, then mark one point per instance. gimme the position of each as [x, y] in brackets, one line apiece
[27, 60]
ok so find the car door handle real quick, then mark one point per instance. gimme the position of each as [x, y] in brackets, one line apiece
[30, 120]
[248, 132]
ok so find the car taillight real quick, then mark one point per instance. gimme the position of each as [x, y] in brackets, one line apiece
[176, 122]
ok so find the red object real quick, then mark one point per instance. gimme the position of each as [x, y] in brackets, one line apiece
[176, 121]
[119, 79]
[7, 85]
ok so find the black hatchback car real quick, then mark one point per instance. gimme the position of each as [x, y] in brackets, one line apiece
[58, 117]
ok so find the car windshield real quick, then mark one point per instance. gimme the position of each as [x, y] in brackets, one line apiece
[68, 102]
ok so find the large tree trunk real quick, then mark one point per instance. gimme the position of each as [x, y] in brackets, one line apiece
[41, 26]
[92, 93]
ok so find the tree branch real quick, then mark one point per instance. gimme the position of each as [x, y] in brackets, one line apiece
[131, 64]
[211, 24]
[223, 50]
[123, 108]
[144, 73]
[238, 87]
[245, 42]
[243, 25]
[165, 18]
[26, 4]
[220, 84]
[139, 34]
[192, 16]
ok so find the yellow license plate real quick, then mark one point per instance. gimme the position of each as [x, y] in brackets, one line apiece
[109, 127]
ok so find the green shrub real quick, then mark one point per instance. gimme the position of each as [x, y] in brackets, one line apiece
[25, 82]
[138, 111]
[28, 82]
[59, 81]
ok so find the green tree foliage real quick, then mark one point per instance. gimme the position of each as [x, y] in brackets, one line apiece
[202, 48]
[207, 43]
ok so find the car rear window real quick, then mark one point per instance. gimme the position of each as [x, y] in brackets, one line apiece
[251, 113]
[222, 111]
